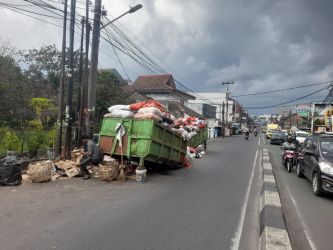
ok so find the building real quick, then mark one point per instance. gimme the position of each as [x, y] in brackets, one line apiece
[163, 89]
[159, 87]
[231, 110]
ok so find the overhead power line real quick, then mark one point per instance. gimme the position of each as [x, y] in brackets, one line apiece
[294, 100]
[280, 90]
[13, 7]
[24, 14]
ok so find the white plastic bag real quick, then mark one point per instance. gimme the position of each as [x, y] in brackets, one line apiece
[150, 110]
[119, 107]
[122, 114]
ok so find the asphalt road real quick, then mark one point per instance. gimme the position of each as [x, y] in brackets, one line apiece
[308, 217]
[211, 205]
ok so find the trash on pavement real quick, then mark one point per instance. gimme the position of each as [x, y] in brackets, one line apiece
[10, 172]
[40, 171]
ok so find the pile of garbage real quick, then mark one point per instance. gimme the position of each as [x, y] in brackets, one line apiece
[10, 172]
[142, 110]
[186, 127]
[109, 169]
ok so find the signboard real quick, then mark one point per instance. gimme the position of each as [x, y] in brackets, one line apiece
[303, 112]
[303, 106]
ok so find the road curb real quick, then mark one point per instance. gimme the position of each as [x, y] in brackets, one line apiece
[273, 231]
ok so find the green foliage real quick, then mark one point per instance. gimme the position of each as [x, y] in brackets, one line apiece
[52, 136]
[10, 141]
[41, 106]
[319, 122]
[38, 137]
[35, 139]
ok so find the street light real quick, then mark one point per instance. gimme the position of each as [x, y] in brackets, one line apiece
[131, 10]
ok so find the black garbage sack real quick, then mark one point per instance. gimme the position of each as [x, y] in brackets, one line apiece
[10, 172]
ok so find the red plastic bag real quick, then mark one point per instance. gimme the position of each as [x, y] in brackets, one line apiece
[137, 106]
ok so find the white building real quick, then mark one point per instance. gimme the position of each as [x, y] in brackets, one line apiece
[217, 100]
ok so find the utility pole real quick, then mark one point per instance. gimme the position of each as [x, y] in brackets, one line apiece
[227, 97]
[62, 83]
[290, 118]
[223, 125]
[241, 117]
[312, 117]
[68, 112]
[80, 88]
[84, 100]
[94, 64]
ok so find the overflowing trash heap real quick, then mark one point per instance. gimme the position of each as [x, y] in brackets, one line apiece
[186, 127]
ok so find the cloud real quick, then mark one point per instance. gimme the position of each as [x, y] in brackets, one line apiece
[261, 45]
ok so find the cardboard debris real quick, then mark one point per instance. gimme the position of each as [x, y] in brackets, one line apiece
[65, 165]
[72, 172]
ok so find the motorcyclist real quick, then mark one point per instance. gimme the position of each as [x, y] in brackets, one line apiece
[289, 143]
[255, 131]
[246, 131]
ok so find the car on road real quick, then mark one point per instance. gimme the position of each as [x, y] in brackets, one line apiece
[316, 163]
[278, 137]
[301, 136]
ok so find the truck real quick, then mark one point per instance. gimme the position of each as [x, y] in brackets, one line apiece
[146, 142]
[270, 128]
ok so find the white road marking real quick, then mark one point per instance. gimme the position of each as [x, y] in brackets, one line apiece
[263, 139]
[235, 241]
[259, 142]
[304, 226]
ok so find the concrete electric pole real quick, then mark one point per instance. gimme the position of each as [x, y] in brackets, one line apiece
[62, 83]
[69, 104]
[93, 64]
[227, 97]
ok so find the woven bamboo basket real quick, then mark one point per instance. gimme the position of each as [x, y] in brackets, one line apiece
[40, 171]
[108, 171]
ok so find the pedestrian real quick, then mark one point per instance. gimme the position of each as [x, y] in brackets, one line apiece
[91, 155]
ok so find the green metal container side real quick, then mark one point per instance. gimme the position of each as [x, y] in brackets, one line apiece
[199, 138]
[144, 139]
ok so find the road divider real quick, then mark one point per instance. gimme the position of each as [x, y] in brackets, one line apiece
[273, 231]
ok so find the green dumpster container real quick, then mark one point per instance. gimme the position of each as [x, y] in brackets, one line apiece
[199, 138]
[144, 140]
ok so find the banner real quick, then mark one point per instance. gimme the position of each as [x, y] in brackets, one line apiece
[303, 110]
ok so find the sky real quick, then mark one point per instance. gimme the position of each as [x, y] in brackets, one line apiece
[261, 45]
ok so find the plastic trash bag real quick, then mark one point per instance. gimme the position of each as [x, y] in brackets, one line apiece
[10, 172]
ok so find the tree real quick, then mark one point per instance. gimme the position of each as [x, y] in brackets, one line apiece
[11, 85]
[44, 66]
[108, 93]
